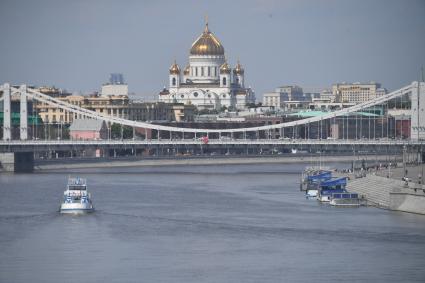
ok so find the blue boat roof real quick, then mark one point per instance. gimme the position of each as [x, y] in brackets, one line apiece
[325, 175]
[334, 182]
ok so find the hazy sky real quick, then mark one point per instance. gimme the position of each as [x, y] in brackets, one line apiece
[76, 44]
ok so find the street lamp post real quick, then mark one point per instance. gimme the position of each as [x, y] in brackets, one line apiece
[404, 161]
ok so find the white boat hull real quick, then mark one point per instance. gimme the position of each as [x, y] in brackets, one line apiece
[339, 202]
[311, 193]
[324, 198]
[76, 208]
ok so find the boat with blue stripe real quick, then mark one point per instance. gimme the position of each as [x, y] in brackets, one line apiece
[332, 186]
[76, 199]
[311, 180]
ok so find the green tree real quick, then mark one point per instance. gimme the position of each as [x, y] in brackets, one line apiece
[116, 129]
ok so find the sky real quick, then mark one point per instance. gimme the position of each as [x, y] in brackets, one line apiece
[75, 45]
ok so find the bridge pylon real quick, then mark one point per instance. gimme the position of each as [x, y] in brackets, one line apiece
[23, 125]
[7, 122]
[417, 130]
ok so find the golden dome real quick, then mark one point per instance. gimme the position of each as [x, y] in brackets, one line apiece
[238, 69]
[207, 44]
[225, 69]
[186, 70]
[174, 69]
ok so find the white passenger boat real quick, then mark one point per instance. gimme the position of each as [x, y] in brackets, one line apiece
[76, 199]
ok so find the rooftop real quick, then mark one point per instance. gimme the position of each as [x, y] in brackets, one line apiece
[87, 125]
[306, 114]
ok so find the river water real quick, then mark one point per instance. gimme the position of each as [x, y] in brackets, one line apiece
[238, 223]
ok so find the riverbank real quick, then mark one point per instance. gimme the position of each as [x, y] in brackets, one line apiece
[386, 189]
[74, 163]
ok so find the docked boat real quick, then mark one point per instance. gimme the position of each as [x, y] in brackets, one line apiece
[312, 192]
[76, 199]
[311, 178]
[345, 199]
[329, 187]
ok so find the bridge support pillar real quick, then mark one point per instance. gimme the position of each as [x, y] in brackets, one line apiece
[23, 127]
[417, 130]
[18, 162]
[7, 130]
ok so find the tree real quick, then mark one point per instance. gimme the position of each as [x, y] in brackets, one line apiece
[127, 131]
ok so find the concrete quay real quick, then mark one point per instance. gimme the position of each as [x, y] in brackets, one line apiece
[386, 189]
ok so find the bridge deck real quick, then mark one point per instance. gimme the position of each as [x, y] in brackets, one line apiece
[41, 145]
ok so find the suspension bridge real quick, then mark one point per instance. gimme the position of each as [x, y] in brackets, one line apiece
[352, 130]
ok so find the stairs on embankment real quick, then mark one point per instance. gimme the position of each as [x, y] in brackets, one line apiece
[375, 189]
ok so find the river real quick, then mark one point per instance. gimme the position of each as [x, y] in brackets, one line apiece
[227, 223]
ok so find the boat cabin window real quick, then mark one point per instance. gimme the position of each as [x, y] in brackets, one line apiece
[79, 188]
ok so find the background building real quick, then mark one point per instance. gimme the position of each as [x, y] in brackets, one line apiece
[116, 105]
[311, 93]
[161, 111]
[327, 95]
[274, 99]
[207, 81]
[357, 92]
[294, 92]
[111, 105]
[283, 94]
[116, 86]
[88, 129]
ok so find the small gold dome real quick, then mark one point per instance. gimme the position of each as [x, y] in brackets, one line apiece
[174, 69]
[238, 69]
[186, 70]
[207, 44]
[225, 69]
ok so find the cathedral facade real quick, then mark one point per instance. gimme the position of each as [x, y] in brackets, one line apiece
[208, 82]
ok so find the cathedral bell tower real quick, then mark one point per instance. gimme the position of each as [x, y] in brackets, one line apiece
[238, 75]
[225, 75]
[174, 75]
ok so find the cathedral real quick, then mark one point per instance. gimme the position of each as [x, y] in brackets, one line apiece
[208, 82]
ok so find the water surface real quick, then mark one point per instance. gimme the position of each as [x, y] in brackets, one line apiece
[236, 223]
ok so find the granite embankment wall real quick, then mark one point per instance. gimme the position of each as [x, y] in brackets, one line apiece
[390, 193]
[409, 200]
[19, 162]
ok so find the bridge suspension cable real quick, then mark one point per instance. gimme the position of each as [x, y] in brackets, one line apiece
[138, 124]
